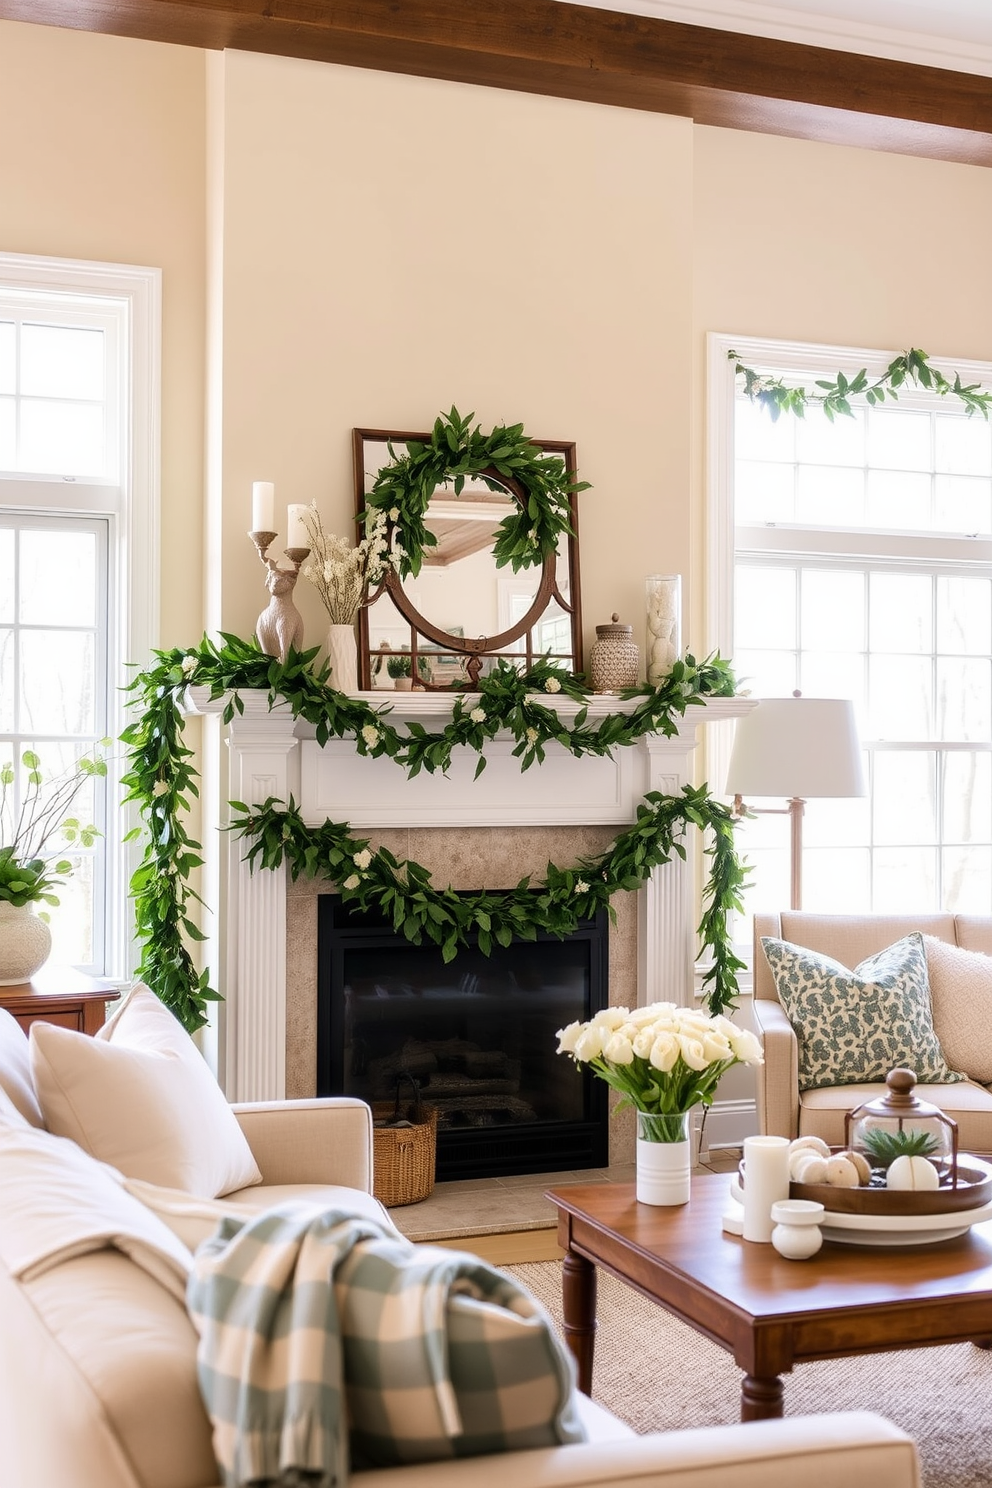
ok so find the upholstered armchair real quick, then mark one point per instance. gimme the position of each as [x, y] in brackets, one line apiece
[960, 976]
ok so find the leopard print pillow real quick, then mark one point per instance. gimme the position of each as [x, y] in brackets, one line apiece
[855, 1026]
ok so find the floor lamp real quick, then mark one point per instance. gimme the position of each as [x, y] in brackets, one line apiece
[796, 747]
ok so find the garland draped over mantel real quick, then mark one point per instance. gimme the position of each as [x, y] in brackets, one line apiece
[161, 781]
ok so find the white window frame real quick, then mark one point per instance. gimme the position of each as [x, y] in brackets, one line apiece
[796, 357]
[133, 295]
[805, 360]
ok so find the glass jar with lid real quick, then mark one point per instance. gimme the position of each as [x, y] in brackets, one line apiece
[899, 1124]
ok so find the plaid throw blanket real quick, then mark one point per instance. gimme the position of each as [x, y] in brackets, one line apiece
[314, 1323]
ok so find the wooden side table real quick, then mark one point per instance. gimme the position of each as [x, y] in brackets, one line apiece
[60, 995]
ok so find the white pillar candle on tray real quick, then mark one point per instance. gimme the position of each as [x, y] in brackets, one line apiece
[297, 535]
[766, 1182]
[263, 495]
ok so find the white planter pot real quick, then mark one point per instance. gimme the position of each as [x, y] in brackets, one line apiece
[25, 943]
[663, 1158]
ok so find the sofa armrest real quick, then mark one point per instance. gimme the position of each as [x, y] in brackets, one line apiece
[778, 1077]
[310, 1141]
[830, 1451]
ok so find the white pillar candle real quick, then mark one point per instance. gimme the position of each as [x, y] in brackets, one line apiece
[766, 1182]
[297, 535]
[262, 506]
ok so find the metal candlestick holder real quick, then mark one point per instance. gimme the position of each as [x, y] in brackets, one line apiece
[280, 625]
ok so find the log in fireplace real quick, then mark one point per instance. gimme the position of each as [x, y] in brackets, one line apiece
[478, 1034]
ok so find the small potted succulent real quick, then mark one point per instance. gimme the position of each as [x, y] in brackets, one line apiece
[29, 875]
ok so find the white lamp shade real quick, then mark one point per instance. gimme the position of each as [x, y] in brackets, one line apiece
[797, 747]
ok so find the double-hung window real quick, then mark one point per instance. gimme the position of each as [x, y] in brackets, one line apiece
[859, 555]
[78, 561]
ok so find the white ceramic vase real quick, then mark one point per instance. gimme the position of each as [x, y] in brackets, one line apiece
[25, 943]
[663, 1158]
[343, 656]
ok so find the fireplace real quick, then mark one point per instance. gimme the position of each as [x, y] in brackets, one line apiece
[477, 1035]
[466, 830]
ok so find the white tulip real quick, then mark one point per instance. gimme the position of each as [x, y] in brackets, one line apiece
[642, 1041]
[716, 1046]
[665, 1052]
[618, 1050]
[567, 1038]
[746, 1046]
[589, 1043]
[650, 1013]
[692, 1051]
[611, 1017]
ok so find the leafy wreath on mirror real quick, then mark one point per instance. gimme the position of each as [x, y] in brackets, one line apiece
[161, 780]
[456, 451]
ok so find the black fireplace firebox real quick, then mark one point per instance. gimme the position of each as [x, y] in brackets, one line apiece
[478, 1035]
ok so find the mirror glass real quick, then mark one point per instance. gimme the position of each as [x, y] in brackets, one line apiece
[460, 602]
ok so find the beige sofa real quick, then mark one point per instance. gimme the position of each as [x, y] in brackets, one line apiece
[98, 1385]
[782, 1109]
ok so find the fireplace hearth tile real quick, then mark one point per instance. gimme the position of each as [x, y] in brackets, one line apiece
[500, 1206]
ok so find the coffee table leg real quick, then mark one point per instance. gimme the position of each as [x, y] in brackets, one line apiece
[578, 1295]
[761, 1399]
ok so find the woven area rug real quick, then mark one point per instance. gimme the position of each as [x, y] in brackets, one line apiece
[658, 1375]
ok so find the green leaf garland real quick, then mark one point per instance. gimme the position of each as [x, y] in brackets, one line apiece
[910, 367]
[161, 780]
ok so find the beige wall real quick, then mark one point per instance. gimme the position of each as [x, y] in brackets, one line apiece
[850, 247]
[395, 245]
[382, 247]
[102, 158]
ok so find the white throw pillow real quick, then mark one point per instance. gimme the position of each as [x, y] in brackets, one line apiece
[142, 1099]
[15, 1069]
[961, 993]
[56, 1202]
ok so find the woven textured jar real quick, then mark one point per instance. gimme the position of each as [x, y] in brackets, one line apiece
[615, 658]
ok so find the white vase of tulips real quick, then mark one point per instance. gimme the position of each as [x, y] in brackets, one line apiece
[663, 1060]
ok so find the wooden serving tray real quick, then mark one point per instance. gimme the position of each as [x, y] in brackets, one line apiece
[974, 1189]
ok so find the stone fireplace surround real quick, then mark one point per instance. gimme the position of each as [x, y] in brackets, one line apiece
[469, 833]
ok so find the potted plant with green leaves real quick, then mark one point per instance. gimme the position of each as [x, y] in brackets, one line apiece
[33, 813]
[399, 669]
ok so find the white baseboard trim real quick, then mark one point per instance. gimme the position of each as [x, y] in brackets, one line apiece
[728, 1123]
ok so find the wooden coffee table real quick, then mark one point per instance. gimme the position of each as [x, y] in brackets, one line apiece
[768, 1312]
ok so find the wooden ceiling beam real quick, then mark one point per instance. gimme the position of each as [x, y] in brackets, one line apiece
[572, 51]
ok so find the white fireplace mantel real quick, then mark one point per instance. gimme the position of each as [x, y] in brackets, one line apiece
[273, 755]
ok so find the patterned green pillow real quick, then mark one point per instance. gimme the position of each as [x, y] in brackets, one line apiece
[855, 1026]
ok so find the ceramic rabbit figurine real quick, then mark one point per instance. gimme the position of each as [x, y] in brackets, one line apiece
[280, 625]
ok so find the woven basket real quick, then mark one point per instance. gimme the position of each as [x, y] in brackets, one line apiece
[403, 1156]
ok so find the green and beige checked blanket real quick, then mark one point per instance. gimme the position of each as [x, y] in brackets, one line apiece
[328, 1340]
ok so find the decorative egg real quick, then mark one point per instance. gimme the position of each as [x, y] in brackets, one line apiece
[798, 1159]
[862, 1165]
[842, 1173]
[815, 1144]
[813, 1170]
[912, 1173]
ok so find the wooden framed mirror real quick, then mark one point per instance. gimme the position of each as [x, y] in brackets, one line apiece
[443, 628]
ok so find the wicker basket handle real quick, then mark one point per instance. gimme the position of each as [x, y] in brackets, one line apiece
[418, 1114]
